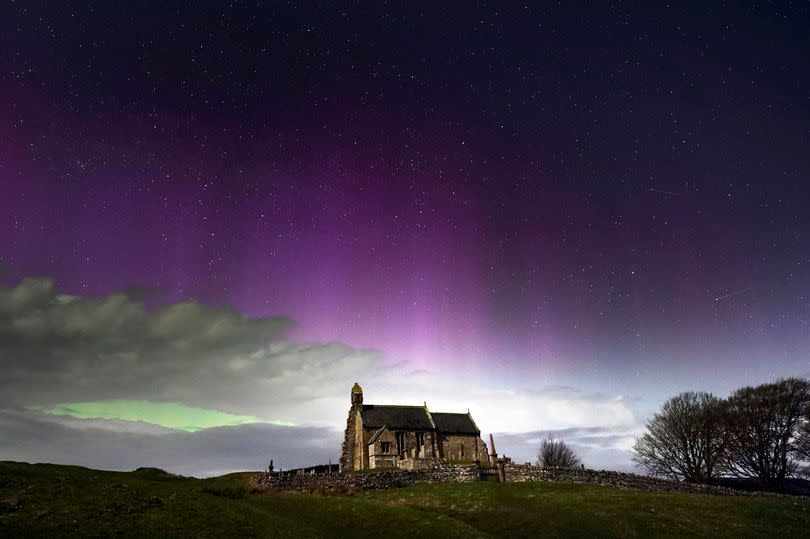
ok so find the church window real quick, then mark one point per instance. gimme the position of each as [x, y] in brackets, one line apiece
[386, 447]
[420, 441]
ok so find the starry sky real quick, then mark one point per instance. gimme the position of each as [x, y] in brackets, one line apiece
[214, 219]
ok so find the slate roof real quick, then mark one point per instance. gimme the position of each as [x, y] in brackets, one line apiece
[396, 417]
[377, 435]
[454, 423]
[416, 418]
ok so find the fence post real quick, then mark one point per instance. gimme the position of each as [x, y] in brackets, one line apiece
[501, 471]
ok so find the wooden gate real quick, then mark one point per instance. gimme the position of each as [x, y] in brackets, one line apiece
[488, 474]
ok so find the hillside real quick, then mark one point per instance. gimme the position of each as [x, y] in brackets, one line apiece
[59, 501]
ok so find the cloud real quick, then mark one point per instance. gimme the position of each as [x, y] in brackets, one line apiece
[598, 447]
[59, 349]
[33, 437]
[64, 351]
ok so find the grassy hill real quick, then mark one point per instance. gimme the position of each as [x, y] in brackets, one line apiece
[45, 500]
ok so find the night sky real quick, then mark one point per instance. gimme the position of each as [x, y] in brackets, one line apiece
[215, 219]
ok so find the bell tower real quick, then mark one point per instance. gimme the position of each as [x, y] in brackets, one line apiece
[357, 395]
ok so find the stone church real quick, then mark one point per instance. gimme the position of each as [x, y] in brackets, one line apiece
[381, 436]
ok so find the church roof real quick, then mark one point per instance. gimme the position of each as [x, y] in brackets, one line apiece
[396, 417]
[454, 423]
[416, 418]
[377, 435]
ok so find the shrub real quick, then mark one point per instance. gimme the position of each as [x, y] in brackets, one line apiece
[555, 453]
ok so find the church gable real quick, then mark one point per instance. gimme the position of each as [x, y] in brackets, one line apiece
[382, 449]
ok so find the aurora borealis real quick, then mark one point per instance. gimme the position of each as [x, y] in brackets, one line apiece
[218, 218]
[165, 414]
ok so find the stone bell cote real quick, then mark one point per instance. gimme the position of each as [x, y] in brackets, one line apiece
[357, 395]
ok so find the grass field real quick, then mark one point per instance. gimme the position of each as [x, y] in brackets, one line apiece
[46, 500]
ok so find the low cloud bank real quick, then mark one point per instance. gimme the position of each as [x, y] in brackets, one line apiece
[33, 437]
[598, 447]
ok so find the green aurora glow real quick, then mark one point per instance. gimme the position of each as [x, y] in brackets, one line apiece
[171, 415]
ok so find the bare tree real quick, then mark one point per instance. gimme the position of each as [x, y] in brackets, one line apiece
[686, 440]
[766, 423]
[803, 443]
[555, 453]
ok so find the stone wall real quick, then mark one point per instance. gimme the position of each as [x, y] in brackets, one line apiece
[410, 445]
[460, 447]
[382, 480]
[419, 464]
[361, 438]
[349, 442]
[466, 473]
[527, 472]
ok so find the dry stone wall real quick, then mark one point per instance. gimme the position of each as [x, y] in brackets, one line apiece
[527, 472]
[378, 480]
[462, 473]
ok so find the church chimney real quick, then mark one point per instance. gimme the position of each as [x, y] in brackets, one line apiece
[357, 395]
